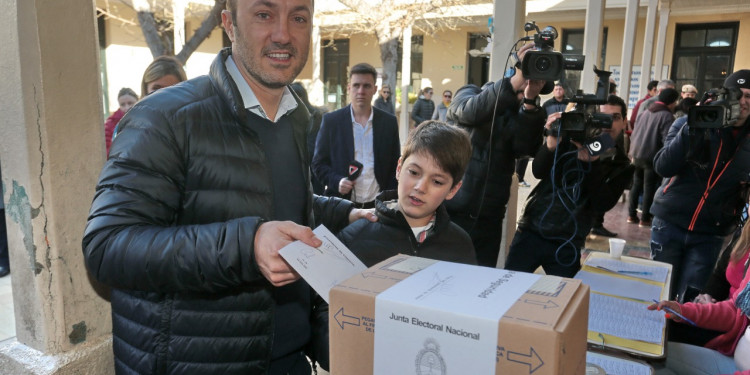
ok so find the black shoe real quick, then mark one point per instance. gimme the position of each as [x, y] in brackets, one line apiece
[4, 271]
[602, 231]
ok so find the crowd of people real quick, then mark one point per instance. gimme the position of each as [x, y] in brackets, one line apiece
[207, 179]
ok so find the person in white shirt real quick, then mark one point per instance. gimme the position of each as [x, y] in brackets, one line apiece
[358, 134]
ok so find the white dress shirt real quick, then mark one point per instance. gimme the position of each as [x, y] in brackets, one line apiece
[366, 188]
[250, 101]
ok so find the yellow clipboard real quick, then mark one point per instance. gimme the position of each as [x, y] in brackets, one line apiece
[633, 347]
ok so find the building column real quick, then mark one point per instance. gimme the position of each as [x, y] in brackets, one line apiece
[405, 82]
[52, 149]
[508, 20]
[648, 47]
[592, 44]
[316, 92]
[628, 49]
[661, 40]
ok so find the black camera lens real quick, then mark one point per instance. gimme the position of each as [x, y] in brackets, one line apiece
[708, 116]
[543, 63]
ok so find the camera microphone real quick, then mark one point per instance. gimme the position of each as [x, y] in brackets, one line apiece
[355, 169]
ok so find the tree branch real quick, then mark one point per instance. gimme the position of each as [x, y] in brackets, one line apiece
[150, 33]
[207, 26]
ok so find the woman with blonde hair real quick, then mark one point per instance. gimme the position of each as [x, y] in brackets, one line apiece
[164, 71]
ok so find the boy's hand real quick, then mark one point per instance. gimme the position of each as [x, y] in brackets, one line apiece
[359, 213]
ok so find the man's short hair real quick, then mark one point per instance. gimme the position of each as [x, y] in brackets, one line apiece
[652, 85]
[665, 83]
[364, 68]
[448, 145]
[616, 100]
[689, 88]
[668, 96]
[558, 83]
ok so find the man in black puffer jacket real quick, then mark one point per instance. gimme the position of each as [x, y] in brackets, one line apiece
[704, 190]
[206, 181]
[496, 110]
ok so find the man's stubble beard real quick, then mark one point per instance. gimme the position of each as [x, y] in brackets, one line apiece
[252, 67]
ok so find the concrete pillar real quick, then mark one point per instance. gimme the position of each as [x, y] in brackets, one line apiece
[648, 47]
[628, 48]
[405, 82]
[592, 44]
[509, 18]
[316, 94]
[661, 40]
[52, 149]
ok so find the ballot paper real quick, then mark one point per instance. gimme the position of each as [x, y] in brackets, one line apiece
[618, 366]
[641, 271]
[627, 319]
[325, 266]
[621, 287]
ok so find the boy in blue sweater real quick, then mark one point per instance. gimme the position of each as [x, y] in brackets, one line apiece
[412, 219]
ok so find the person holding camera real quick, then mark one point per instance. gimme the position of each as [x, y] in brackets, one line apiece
[574, 185]
[700, 201]
[506, 122]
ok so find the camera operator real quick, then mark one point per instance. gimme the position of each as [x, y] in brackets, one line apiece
[703, 193]
[573, 187]
[505, 122]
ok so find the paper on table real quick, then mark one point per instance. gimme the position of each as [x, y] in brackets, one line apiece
[620, 286]
[323, 267]
[653, 273]
[627, 319]
[618, 366]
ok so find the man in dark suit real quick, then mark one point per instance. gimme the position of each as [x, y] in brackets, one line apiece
[358, 132]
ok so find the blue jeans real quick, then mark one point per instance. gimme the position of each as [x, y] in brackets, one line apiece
[684, 359]
[692, 255]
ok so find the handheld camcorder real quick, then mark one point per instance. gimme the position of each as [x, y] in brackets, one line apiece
[718, 108]
[544, 63]
[583, 124]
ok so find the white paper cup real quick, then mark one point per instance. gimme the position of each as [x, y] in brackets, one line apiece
[615, 247]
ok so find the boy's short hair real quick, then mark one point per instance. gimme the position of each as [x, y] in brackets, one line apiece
[448, 145]
[364, 68]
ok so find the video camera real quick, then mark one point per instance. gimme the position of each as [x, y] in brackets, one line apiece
[545, 63]
[718, 108]
[584, 124]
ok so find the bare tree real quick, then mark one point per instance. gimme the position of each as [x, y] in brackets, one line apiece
[389, 18]
[156, 22]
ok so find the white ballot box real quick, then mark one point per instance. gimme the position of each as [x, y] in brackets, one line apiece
[409, 315]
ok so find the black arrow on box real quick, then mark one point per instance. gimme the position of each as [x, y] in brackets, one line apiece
[532, 359]
[342, 319]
